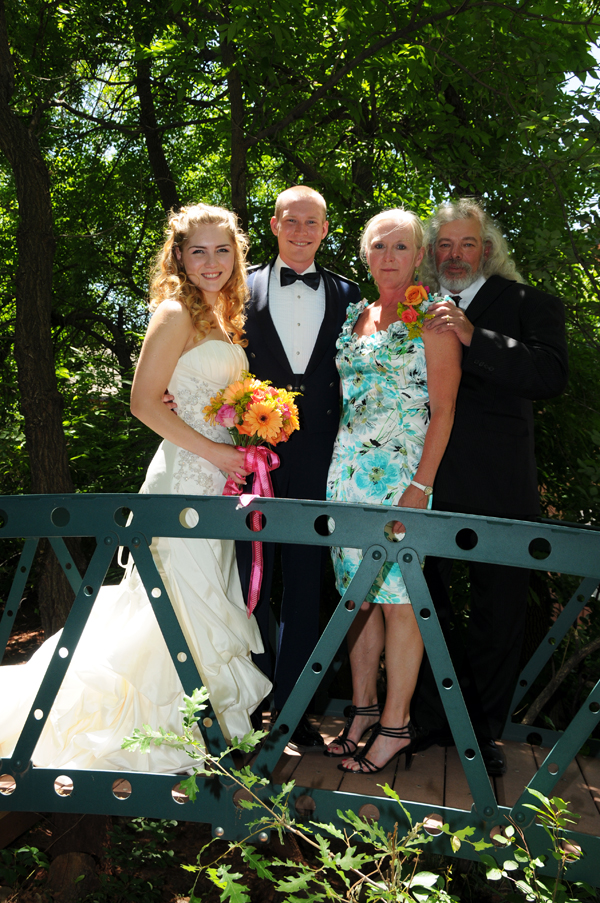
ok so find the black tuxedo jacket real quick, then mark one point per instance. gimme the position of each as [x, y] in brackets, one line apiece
[319, 403]
[518, 353]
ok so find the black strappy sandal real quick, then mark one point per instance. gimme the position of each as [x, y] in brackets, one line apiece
[398, 733]
[349, 746]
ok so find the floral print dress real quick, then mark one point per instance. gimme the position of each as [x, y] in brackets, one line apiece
[382, 431]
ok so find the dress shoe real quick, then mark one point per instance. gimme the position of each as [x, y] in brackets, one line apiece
[493, 757]
[305, 736]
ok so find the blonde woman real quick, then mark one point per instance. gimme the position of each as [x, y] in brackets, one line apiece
[121, 675]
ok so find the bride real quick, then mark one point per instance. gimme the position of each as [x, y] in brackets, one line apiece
[121, 675]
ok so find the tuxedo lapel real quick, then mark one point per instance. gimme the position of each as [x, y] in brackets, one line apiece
[262, 316]
[487, 294]
[329, 324]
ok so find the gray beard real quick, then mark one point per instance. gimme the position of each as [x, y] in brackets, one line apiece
[458, 284]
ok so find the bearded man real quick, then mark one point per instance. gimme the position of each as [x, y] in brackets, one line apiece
[514, 352]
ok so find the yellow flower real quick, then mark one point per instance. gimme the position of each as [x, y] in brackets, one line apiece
[263, 419]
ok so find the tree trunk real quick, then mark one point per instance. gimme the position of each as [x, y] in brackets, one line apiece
[156, 154]
[239, 146]
[41, 401]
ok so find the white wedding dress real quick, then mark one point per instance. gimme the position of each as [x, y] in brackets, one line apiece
[121, 675]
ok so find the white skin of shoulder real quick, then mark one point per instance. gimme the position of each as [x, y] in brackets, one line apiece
[170, 334]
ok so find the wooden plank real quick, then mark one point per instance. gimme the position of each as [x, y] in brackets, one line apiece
[317, 770]
[13, 824]
[457, 794]
[331, 726]
[590, 768]
[424, 783]
[285, 768]
[573, 789]
[521, 767]
[368, 783]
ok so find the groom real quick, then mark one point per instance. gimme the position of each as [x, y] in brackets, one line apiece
[514, 351]
[294, 317]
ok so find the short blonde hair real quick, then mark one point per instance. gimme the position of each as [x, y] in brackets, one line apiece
[400, 217]
[169, 279]
[299, 191]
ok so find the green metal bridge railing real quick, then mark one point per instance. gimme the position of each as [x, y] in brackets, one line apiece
[132, 521]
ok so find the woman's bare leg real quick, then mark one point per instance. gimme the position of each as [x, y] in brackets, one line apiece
[403, 654]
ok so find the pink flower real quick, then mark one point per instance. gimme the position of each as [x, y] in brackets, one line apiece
[227, 416]
[409, 315]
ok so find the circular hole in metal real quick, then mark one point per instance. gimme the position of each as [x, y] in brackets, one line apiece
[155, 592]
[68, 566]
[9, 614]
[425, 613]
[123, 516]
[447, 683]
[580, 598]
[350, 605]
[60, 517]
[121, 789]
[466, 539]
[8, 784]
[305, 806]
[256, 521]
[63, 785]
[469, 754]
[539, 548]
[3, 522]
[179, 795]
[242, 794]
[317, 667]
[369, 812]
[63, 652]
[182, 657]
[552, 768]
[573, 850]
[534, 739]
[188, 518]
[498, 837]
[324, 525]
[594, 707]
[38, 714]
[284, 728]
[394, 535]
[523, 683]
[207, 722]
[88, 590]
[23, 569]
[551, 641]
[433, 823]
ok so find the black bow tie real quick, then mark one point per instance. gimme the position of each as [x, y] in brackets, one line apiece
[289, 276]
[456, 299]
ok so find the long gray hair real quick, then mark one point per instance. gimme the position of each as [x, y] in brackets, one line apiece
[498, 262]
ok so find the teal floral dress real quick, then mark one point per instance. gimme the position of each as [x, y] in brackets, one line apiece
[382, 431]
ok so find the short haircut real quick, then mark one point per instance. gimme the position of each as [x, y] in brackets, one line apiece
[296, 192]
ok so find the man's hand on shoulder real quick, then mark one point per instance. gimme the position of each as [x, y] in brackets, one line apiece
[450, 318]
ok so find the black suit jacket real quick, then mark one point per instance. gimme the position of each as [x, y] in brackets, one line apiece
[518, 353]
[319, 402]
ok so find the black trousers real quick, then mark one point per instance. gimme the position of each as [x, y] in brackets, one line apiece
[302, 475]
[487, 663]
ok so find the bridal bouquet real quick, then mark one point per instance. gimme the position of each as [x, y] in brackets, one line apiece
[254, 412]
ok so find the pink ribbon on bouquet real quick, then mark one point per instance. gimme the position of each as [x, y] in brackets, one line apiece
[260, 461]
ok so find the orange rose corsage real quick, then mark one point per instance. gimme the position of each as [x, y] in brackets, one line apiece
[408, 310]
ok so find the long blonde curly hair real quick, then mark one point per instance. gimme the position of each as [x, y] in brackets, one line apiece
[169, 279]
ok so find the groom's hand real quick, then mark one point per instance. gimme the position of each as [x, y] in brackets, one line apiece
[169, 400]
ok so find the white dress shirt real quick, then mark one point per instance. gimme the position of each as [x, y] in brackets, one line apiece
[297, 312]
[467, 294]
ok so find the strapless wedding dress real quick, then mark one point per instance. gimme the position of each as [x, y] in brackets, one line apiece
[121, 675]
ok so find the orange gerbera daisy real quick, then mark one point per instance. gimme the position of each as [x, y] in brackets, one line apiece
[236, 391]
[264, 420]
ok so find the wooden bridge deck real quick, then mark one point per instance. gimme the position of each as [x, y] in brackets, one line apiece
[436, 777]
